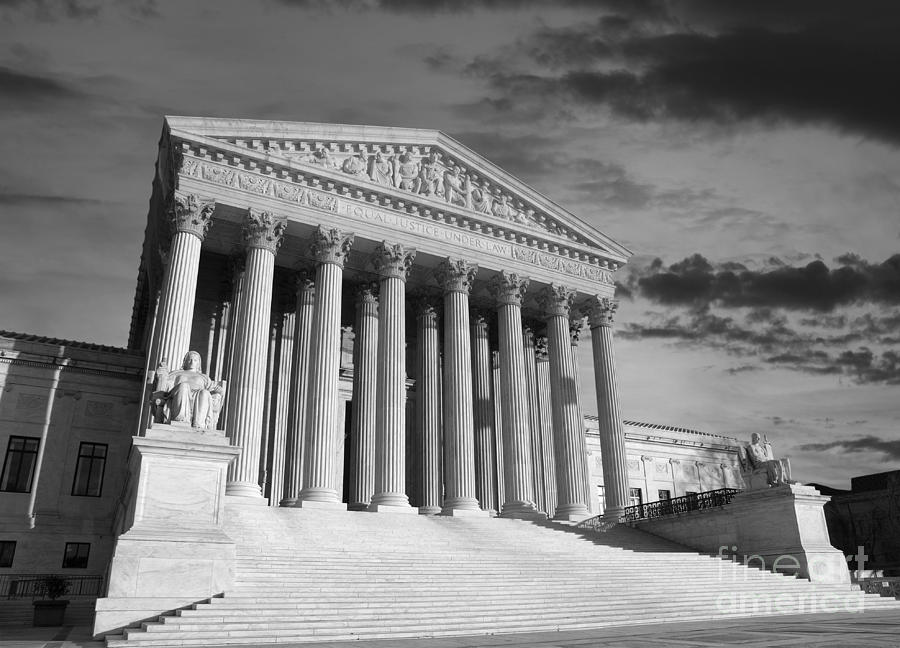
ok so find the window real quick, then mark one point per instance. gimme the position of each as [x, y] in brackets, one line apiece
[7, 551]
[664, 495]
[635, 495]
[89, 470]
[18, 467]
[76, 555]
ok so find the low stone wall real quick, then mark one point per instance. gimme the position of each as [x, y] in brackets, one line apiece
[780, 529]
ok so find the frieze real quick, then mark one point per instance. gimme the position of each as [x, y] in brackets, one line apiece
[560, 264]
[308, 197]
[259, 184]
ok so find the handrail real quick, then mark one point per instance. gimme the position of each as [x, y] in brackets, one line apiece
[18, 586]
[695, 502]
[883, 585]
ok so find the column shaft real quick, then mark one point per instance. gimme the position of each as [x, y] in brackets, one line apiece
[568, 440]
[190, 219]
[534, 419]
[320, 432]
[293, 460]
[428, 409]
[483, 413]
[362, 430]
[263, 232]
[392, 263]
[456, 277]
[283, 404]
[518, 475]
[612, 432]
[546, 421]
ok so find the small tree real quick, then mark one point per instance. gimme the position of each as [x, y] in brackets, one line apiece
[52, 586]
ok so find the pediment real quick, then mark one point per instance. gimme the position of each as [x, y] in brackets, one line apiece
[423, 165]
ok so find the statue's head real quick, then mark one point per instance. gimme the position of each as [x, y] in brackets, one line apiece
[192, 361]
[754, 438]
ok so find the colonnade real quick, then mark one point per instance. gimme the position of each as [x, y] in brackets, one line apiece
[454, 419]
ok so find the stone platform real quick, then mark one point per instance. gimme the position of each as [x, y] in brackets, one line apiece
[313, 575]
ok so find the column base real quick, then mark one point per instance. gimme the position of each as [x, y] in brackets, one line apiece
[243, 489]
[521, 511]
[386, 508]
[288, 502]
[572, 513]
[390, 499]
[316, 504]
[429, 510]
[318, 495]
[614, 514]
[466, 512]
[358, 506]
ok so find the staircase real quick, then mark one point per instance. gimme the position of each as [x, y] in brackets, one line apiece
[318, 575]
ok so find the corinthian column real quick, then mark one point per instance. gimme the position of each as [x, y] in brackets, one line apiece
[362, 424]
[330, 248]
[189, 218]
[537, 465]
[546, 420]
[263, 232]
[293, 469]
[483, 411]
[392, 262]
[428, 407]
[509, 290]
[456, 277]
[568, 430]
[612, 433]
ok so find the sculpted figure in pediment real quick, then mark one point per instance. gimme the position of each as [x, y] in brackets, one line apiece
[321, 157]
[355, 165]
[479, 199]
[431, 174]
[381, 170]
[406, 173]
[456, 187]
[502, 209]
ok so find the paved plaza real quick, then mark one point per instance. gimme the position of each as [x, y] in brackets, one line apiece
[876, 628]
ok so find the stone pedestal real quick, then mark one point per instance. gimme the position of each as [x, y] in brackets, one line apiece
[172, 550]
[785, 527]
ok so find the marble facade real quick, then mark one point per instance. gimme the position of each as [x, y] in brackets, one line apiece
[270, 226]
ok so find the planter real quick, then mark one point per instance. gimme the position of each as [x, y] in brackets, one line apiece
[49, 613]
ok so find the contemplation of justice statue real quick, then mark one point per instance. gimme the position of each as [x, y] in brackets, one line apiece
[760, 468]
[187, 396]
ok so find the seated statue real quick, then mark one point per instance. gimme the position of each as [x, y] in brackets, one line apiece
[760, 468]
[187, 396]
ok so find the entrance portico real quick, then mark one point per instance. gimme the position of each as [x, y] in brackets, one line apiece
[416, 219]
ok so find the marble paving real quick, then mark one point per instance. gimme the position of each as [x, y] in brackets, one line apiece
[864, 630]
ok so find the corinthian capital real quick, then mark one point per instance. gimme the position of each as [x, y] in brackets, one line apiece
[393, 260]
[601, 311]
[192, 214]
[331, 245]
[305, 288]
[575, 326]
[456, 275]
[556, 300]
[264, 230]
[509, 288]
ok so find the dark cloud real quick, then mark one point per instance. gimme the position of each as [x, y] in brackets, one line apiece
[694, 281]
[23, 89]
[11, 199]
[821, 63]
[890, 448]
[51, 10]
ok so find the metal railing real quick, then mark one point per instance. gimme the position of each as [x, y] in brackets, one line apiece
[21, 586]
[695, 502]
[883, 585]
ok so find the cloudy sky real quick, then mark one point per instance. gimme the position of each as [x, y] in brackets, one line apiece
[746, 151]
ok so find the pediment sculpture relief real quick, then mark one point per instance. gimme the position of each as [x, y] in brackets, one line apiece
[430, 174]
[187, 396]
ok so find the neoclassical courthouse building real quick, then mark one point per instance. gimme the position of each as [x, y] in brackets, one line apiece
[386, 322]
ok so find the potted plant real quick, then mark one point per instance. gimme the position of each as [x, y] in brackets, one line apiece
[49, 611]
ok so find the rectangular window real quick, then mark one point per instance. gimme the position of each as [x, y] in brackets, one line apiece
[636, 496]
[77, 555]
[664, 495]
[7, 552]
[18, 467]
[89, 470]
